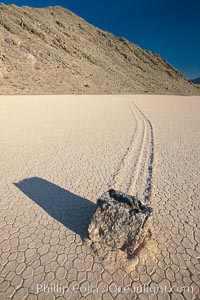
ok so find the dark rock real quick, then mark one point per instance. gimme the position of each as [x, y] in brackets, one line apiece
[120, 221]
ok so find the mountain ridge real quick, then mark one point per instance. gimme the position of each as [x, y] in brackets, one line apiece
[52, 50]
[196, 80]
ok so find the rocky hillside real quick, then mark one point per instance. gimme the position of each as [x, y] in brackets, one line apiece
[52, 50]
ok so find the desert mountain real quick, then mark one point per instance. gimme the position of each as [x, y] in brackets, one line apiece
[196, 80]
[52, 50]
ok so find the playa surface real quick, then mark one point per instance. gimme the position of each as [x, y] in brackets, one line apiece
[58, 154]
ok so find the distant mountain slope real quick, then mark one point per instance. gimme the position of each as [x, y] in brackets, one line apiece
[52, 50]
[196, 80]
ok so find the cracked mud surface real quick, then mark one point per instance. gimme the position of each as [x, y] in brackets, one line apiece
[58, 154]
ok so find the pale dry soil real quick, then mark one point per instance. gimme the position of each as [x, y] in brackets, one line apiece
[58, 154]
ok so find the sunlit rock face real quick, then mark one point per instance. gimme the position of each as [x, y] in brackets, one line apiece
[120, 221]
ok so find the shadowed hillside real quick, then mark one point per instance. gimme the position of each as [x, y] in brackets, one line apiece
[51, 50]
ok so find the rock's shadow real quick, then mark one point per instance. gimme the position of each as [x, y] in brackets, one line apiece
[71, 210]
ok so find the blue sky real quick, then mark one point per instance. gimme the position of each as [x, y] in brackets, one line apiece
[170, 28]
